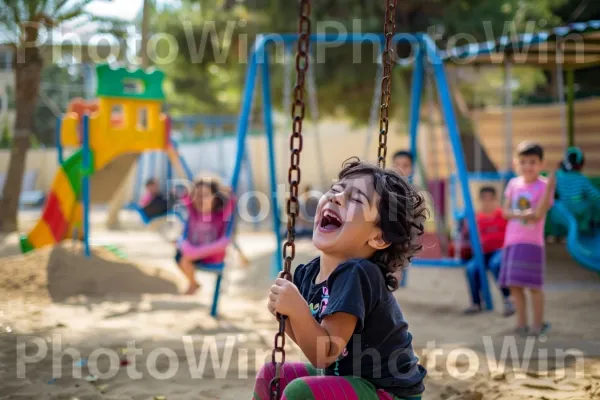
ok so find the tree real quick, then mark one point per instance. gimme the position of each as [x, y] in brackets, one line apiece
[213, 85]
[59, 84]
[26, 21]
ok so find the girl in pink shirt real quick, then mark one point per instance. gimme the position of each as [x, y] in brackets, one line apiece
[205, 236]
[527, 200]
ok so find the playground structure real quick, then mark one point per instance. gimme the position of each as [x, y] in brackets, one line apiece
[259, 64]
[134, 126]
[430, 62]
[107, 136]
[562, 50]
[217, 147]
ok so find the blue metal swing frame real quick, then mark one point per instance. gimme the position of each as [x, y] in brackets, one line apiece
[424, 50]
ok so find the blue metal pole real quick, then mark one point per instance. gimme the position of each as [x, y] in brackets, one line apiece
[249, 175]
[188, 171]
[268, 120]
[415, 104]
[59, 147]
[415, 113]
[87, 167]
[164, 161]
[139, 176]
[152, 162]
[438, 263]
[243, 122]
[453, 133]
[169, 171]
[453, 203]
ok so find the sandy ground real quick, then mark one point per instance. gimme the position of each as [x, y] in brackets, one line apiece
[131, 344]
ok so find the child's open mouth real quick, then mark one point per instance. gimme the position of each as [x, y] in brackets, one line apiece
[330, 221]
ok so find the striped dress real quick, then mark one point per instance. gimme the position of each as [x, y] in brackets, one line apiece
[578, 194]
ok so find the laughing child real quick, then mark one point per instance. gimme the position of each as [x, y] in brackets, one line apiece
[340, 307]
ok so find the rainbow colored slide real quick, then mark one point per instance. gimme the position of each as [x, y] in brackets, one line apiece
[63, 211]
[108, 134]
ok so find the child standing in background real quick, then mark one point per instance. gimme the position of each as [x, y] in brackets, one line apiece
[528, 198]
[402, 163]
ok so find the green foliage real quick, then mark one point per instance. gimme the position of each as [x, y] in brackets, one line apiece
[16, 15]
[213, 84]
[6, 137]
[59, 86]
[10, 93]
[39, 17]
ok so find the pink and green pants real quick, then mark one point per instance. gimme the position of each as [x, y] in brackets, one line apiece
[301, 381]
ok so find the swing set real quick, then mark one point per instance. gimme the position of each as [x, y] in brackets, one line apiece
[426, 54]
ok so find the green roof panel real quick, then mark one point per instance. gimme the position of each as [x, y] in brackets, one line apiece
[130, 84]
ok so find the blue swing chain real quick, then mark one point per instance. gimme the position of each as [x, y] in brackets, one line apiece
[293, 207]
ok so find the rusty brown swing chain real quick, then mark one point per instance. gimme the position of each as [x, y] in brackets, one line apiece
[388, 60]
[298, 112]
[293, 207]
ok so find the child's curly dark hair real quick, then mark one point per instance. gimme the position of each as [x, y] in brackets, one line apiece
[402, 213]
[221, 196]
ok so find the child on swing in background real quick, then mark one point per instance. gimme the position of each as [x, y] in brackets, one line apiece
[205, 237]
[576, 191]
[528, 197]
[491, 225]
[340, 308]
[153, 202]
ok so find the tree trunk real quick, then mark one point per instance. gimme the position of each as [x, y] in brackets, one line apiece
[28, 72]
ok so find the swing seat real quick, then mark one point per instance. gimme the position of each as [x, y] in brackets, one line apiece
[147, 219]
[215, 268]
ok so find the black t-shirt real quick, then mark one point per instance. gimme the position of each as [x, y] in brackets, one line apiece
[380, 350]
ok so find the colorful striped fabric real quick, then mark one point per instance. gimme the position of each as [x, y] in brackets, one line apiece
[577, 192]
[301, 381]
[62, 212]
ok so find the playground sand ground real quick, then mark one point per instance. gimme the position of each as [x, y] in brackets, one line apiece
[183, 353]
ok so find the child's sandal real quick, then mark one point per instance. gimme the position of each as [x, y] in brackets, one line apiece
[522, 331]
[542, 331]
[473, 309]
[509, 309]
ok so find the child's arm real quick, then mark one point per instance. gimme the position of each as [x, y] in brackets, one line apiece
[507, 211]
[321, 344]
[591, 192]
[540, 211]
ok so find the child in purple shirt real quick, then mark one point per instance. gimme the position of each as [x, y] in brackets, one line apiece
[205, 237]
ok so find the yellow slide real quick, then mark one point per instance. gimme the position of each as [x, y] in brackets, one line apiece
[124, 121]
